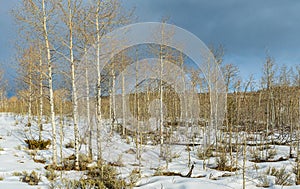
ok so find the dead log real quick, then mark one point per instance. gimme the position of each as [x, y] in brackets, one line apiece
[190, 172]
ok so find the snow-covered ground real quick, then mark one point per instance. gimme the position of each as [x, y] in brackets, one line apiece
[16, 158]
[12, 156]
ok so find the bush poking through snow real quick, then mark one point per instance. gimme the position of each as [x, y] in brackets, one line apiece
[282, 177]
[68, 164]
[38, 144]
[134, 177]
[222, 164]
[103, 176]
[82, 184]
[51, 175]
[272, 153]
[204, 154]
[255, 154]
[296, 171]
[264, 182]
[17, 174]
[158, 171]
[31, 178]
[258, 156]
[108, 175]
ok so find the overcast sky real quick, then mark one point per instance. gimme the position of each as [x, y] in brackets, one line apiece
[246, 28]
[8, 35]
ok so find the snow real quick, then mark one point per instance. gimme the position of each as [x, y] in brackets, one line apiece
[11, 158]
[15, 157]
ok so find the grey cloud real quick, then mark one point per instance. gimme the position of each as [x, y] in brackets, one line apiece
[242, 26]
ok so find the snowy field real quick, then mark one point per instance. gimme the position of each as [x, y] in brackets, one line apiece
[16, 158]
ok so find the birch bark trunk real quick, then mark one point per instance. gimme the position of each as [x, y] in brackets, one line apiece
[50, 83]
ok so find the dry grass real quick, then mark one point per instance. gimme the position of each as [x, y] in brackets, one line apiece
[38, 144]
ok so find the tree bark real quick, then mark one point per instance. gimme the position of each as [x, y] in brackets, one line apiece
[50, 83]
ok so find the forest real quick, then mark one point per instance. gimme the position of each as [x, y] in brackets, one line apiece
[119, 126]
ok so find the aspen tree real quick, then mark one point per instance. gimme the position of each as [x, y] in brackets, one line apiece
[69, 14]
[267, 84]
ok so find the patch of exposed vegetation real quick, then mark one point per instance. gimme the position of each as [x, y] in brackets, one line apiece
[103, 176]
[38, 144]
[31, 178]
[282, 177]
[68, 163]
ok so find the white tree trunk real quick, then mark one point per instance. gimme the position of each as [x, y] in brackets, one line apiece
[123, 104]
[98, 104]
[40, 118]
[51, 97]
[61, 130]
[74, 92]
[161, 120]
[88, 117]
[112, 101]
[30, 94]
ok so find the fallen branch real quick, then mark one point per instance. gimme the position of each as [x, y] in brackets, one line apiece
[188, 175]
